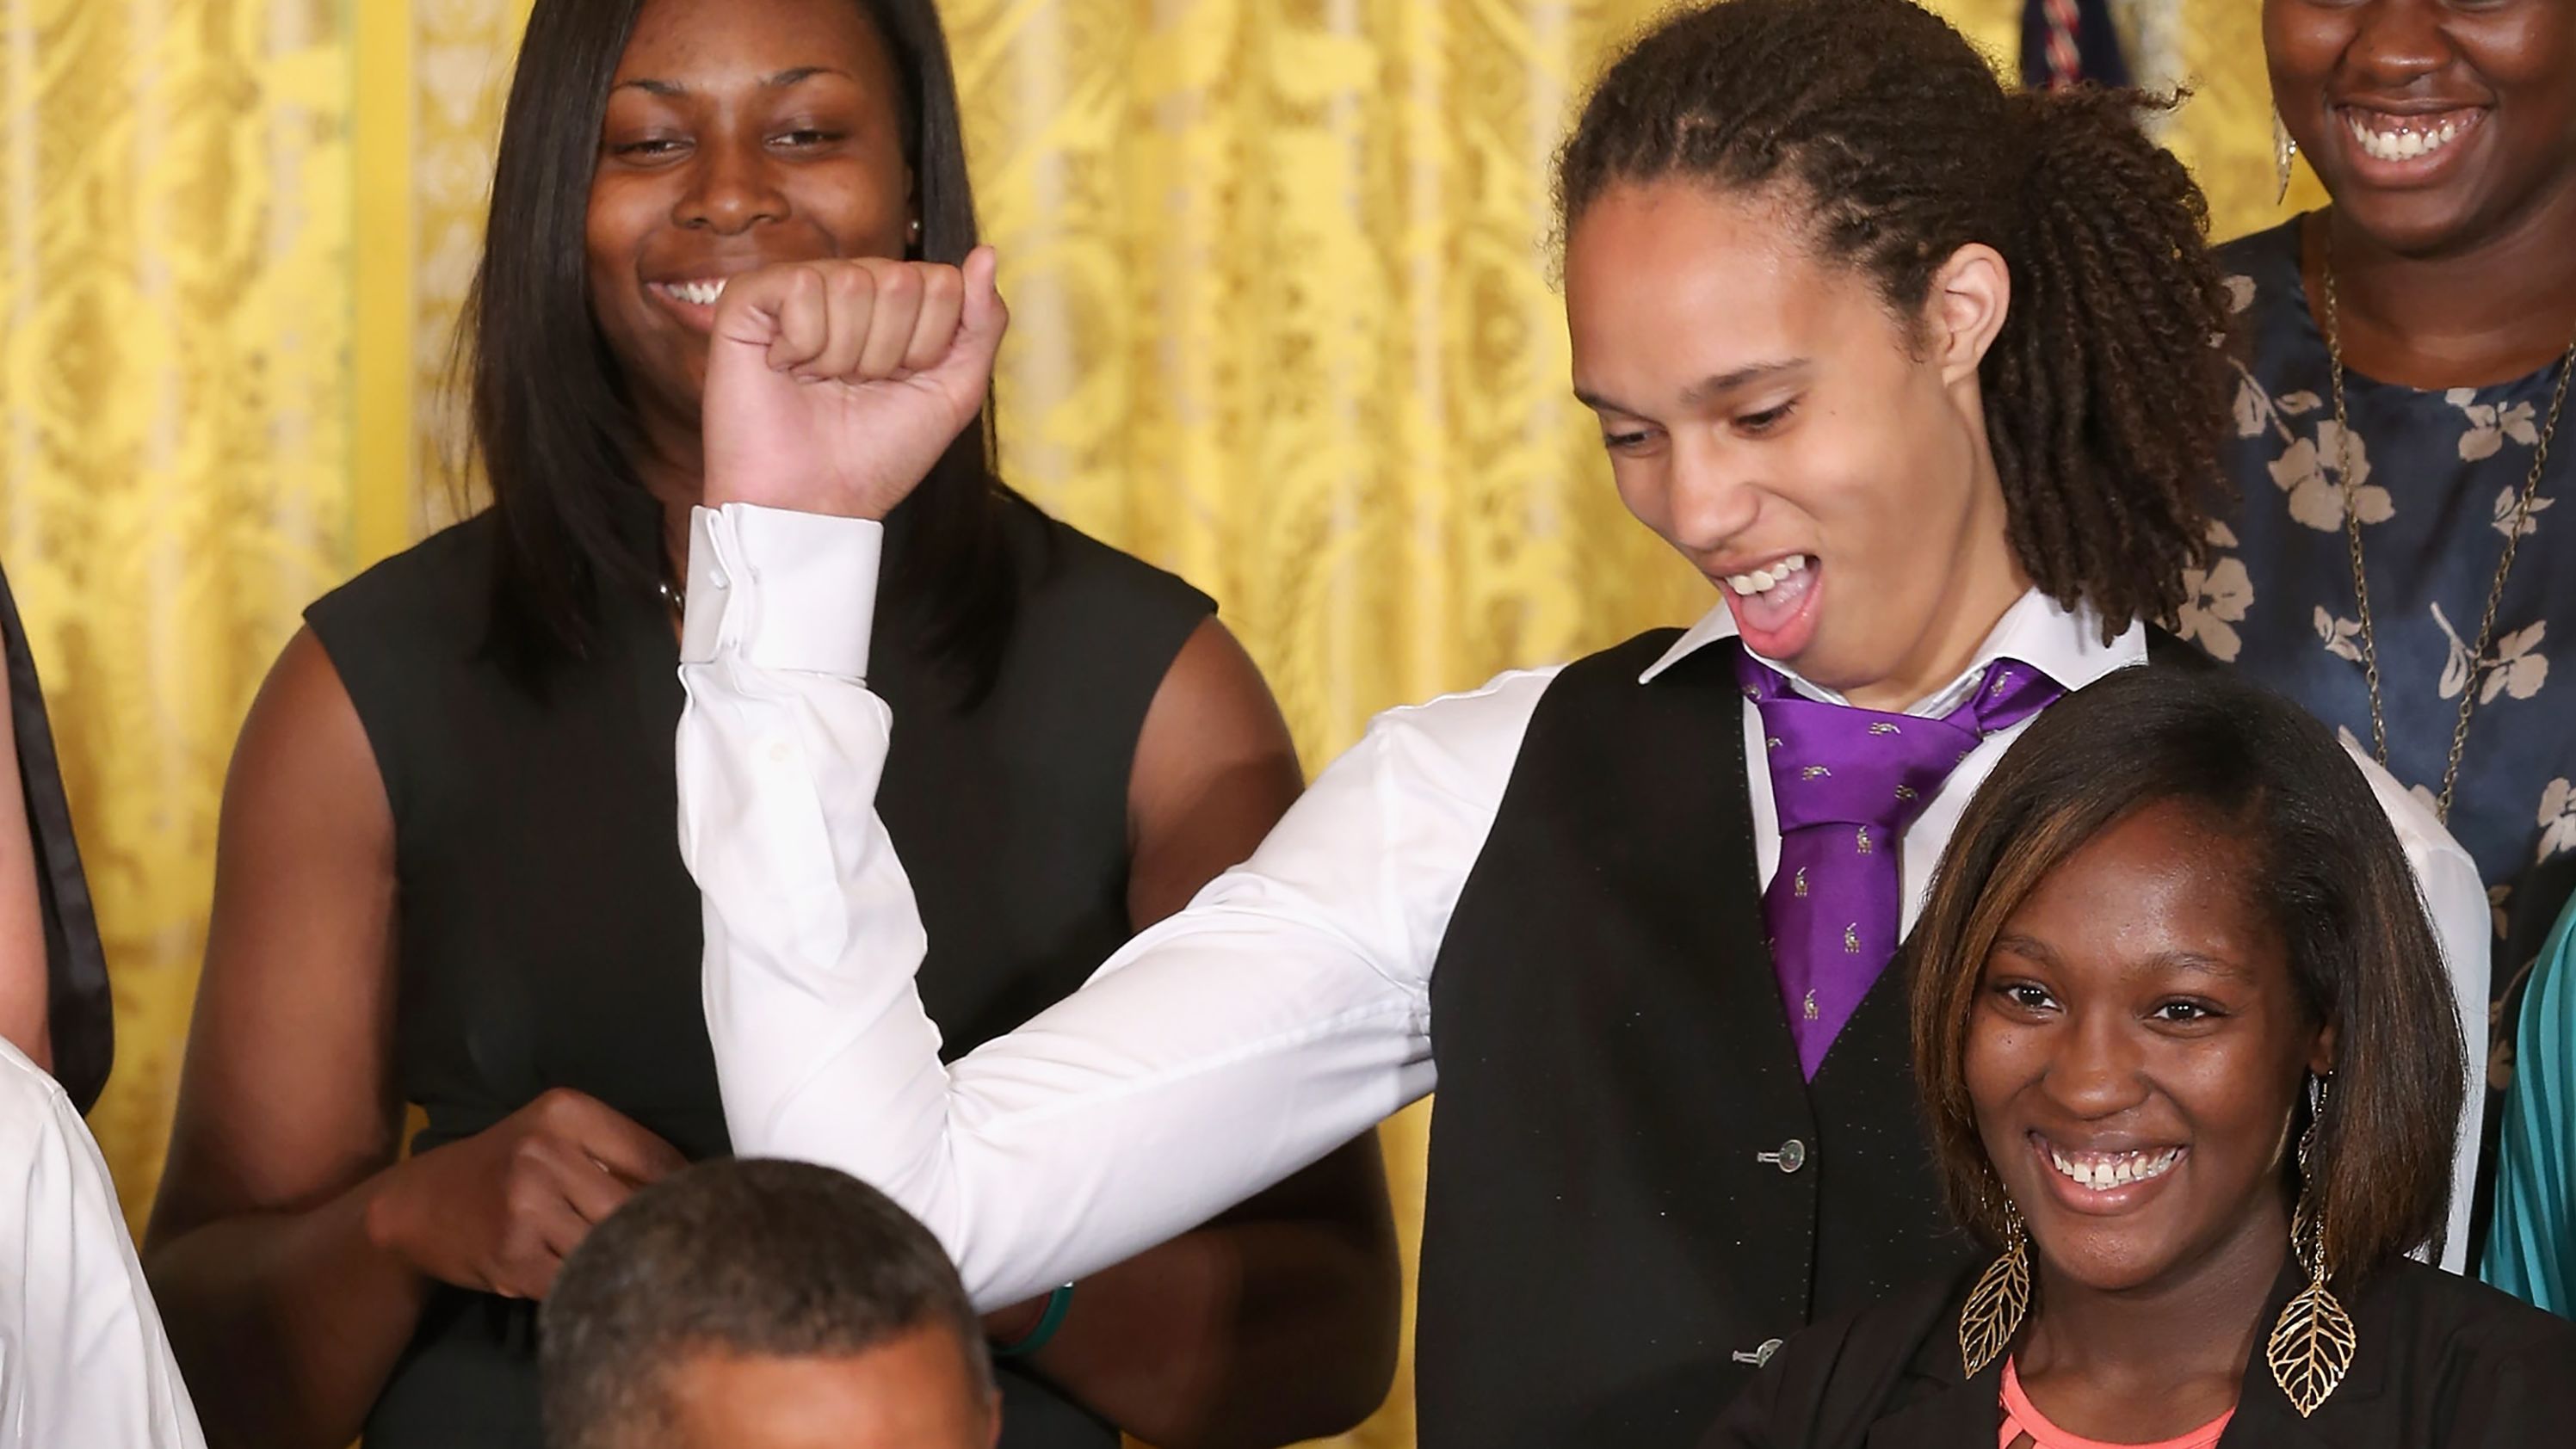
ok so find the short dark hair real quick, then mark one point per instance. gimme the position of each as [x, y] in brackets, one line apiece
[2325, 869]
[553, 427]
[2106, 392]
[747, 1257]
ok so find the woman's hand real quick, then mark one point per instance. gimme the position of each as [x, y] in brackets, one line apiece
[833, 387]
[499, 1211]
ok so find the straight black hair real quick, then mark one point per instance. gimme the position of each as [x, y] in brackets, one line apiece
[554, 429]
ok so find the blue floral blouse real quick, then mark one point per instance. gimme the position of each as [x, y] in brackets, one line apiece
[2436, 474]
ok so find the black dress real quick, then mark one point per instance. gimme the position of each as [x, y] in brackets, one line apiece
[2442, 1361]
[548, 934]
[80, 1016]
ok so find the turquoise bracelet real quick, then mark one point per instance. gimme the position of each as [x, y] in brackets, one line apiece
[1059, 1303]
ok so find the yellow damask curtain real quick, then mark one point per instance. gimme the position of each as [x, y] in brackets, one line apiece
[1283, 323]
[174, 270]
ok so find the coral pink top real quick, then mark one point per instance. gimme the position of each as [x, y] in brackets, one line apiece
[2021, 1418]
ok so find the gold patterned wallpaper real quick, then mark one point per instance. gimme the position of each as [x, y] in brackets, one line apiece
[1283, 322]
[175, 211]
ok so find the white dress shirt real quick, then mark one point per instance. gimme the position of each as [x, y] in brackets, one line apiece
[83, 1362]
[1280, 1015]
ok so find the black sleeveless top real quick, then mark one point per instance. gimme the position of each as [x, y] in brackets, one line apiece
[548, 935]
[1634, 1196]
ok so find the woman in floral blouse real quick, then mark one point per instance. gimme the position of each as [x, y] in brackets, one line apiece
[2400, 422]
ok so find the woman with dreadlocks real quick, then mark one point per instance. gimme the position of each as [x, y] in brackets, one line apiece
[1919, 374]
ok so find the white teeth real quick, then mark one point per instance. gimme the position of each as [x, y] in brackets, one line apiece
[702, 294]
[1762, 581]
[2403, 144]
[2102, 1171]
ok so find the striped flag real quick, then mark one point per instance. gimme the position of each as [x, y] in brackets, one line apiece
[2066, 41]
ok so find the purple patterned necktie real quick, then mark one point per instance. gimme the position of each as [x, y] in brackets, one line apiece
[1848, 782]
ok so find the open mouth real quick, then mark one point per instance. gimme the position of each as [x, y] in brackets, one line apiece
[2396, 139]
[1771, 604]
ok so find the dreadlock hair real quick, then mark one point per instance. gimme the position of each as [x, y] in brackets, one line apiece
[2107, 390]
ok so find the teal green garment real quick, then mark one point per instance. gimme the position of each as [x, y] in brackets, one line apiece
[2531, 1253]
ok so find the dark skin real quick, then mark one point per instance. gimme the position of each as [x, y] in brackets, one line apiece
[913, 1391]
[2138, 1010]
[2455, 269]
[290, 1230]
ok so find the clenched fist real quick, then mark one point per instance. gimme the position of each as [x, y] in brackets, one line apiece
[834, 386]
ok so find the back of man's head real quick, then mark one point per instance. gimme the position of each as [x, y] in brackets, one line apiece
[763, 1305]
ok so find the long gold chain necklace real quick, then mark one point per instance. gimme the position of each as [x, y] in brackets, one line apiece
[2513, 523]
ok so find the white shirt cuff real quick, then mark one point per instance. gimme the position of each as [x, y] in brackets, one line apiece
[781, 590]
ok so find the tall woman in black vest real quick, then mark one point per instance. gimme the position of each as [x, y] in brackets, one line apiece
[2194, 1072]
[1921, 375]
[447, 872]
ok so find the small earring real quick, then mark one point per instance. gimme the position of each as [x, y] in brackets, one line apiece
[1997, 1305]
[2285, 149]
[2311, 1348]
[914, 231]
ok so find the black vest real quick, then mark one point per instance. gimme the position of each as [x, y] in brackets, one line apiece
[1633, 1195]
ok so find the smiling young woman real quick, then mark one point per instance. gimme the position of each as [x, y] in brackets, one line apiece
[1920, 375]
[2401, 561]
[447, 874]
[2193, 1072]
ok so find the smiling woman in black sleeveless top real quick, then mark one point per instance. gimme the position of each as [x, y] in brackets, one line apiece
[448, 874]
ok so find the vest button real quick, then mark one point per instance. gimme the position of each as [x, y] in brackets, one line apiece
[1791, 1156]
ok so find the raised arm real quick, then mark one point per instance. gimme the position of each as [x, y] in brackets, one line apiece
[1283, 1013]
[1277, 1018]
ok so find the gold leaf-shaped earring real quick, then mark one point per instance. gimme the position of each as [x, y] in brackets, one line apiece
[2284, 151]
[1997, 1305]
[2311, 1348]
